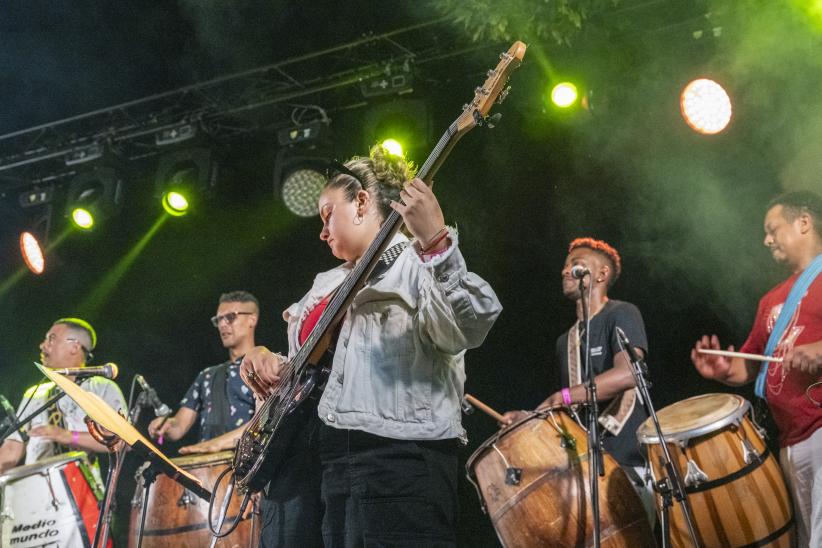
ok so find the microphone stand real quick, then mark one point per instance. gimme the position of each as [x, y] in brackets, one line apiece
[595, 463]
[672, 486]
[116, 459]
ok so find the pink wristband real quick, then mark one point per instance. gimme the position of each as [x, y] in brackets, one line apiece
[566, 396]
[75, 437]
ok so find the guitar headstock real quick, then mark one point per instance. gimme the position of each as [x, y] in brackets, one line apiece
[492, 90]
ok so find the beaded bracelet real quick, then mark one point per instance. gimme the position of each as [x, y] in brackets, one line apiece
[566, 396]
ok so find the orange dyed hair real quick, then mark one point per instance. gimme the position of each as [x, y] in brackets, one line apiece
[603, 249]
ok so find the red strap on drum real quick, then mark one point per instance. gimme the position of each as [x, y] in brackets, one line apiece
[83, 499]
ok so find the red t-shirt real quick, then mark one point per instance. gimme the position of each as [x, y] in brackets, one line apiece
[312, 319]
[795, 416]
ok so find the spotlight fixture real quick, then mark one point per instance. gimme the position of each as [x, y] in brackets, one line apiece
[299, 180]
[184, 176]
[94, 196]
[405, 121]
[175, 203]
[564, 94]
[32, 252]
[33, 237]
[705, 106]
[393, 146]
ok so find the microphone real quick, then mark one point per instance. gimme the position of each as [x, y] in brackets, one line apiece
[578, 272]
[160, 409]
[11, 417]
[109, 371]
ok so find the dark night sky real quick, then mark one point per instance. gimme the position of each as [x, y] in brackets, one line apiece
[684, 210]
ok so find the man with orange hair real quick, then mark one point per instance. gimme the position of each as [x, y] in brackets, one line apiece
[620, 412]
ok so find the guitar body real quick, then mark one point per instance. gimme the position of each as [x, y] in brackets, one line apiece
[265, 443]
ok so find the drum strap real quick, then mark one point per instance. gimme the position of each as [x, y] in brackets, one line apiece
[798, 291]
[616, 415]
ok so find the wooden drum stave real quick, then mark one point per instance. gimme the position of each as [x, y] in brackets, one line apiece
[735, 487]
[176, 518]
[532, 478]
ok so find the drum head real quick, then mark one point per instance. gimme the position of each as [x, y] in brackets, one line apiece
[44, 464]
[694, 417]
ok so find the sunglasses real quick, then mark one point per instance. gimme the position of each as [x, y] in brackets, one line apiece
[229, 318]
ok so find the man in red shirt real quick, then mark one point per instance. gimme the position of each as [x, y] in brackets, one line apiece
[793, 233]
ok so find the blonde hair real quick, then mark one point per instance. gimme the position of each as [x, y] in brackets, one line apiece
[381, 174]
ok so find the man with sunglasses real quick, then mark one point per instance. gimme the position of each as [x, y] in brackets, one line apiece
[218, 396]
[61, 427]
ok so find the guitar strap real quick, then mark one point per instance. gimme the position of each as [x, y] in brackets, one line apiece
[387, 259]
[614, 417]
[797, 293]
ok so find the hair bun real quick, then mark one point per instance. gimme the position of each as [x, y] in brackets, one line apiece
[391, 169]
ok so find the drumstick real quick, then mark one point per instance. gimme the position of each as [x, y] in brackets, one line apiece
[745, 355]
[161, 439]
[484, 408]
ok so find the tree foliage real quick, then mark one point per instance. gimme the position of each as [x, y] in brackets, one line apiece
[528, 20]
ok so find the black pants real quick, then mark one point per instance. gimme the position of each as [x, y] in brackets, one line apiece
[373, 491]
[292, 510]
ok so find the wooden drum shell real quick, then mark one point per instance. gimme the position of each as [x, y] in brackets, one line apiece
[741, 503]
[176, 519]
[550, 505]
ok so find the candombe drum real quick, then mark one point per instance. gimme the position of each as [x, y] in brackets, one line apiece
[52, 502]
[734, 485]
[177, 518]
[532, 478]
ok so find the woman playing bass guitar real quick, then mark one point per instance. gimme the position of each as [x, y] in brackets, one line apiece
[376, 463]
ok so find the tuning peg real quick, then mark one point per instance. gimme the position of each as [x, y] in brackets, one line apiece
[490, 73]
[493, 120]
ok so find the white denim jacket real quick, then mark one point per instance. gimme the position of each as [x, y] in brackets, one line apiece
[398, 369]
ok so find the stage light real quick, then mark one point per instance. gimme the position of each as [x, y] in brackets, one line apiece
[82, 218]
[406, 122]
[94, 196]
[32, 252]
[705, 106]
[183, 178]
[564, 94]
[301, 190]
[393, 147]
[175, 203]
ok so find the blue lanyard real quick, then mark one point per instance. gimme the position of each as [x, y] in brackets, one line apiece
[800, 287]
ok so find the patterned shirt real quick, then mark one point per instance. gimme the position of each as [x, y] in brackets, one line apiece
[199, 398]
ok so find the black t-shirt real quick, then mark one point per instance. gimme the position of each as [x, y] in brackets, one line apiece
[604, 346]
